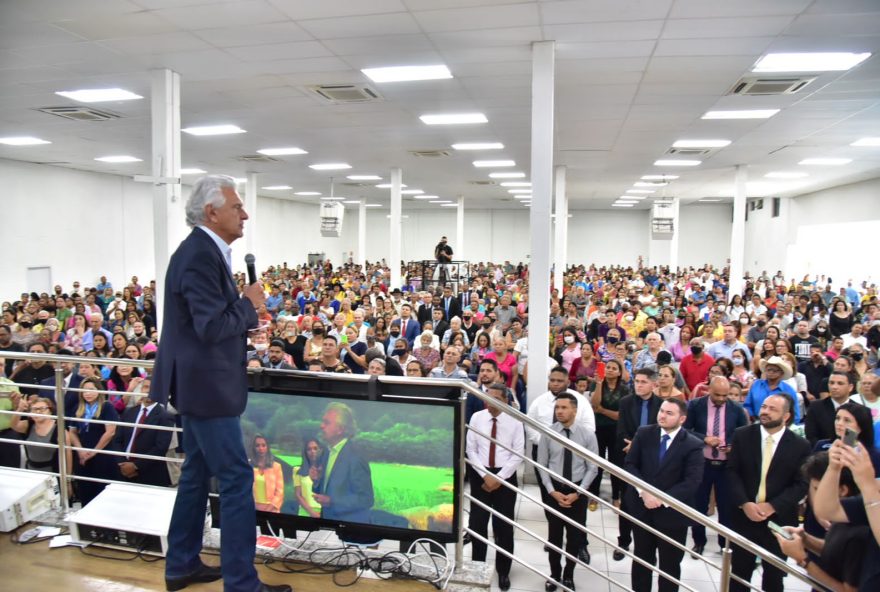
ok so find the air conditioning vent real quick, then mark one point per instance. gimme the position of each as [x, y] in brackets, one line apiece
[346, 93]
[689, 151]
[429, 153]
[257, 158]
[770, 86]
[81, 113]
[484, 183]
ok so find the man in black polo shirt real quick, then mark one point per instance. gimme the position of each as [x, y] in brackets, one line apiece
[816, 370]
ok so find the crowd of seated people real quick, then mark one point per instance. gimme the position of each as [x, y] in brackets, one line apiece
[812, 344]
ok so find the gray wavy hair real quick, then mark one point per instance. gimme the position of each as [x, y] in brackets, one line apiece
[207, 190]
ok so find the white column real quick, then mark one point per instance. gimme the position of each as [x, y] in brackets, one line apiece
[543, 72]
[169, 225]
[560, 250]
[250, 231]
[459, 229]
[362, 233]
[676, 232]
[738, 231]
[394, 231]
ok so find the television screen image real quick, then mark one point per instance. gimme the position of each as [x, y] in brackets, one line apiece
[371, 468]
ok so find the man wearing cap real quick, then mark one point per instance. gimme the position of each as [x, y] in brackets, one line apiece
[819, 424]
[774, 371]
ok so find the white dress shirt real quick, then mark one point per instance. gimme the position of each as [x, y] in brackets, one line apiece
[509, 432]
[543, 409]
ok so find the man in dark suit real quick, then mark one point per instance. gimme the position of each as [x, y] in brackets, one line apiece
[713, 419]
[819, 424]
[143, 440]
[426, 309]
[275, 358]
[200, 367]
[637, 410]
[764, 472]
[671, 459]
[343, 484]
[409, 326]
[71, 381]
[439, 323]
[450, 304]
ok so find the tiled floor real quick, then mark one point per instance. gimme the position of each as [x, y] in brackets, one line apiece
[604, 522]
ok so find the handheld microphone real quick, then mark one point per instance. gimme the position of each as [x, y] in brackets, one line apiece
[251, 269]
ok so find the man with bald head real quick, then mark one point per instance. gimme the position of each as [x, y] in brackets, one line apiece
[713, 419]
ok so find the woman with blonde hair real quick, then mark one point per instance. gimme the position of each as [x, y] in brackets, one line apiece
[93, 404]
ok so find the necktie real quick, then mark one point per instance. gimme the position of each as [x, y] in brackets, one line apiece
[403, 328]
[716, 428]
[494, 434]
[766, 458]
[447, 308]
[643, 420]
[566, 458]
[142, 418]
[664, 443]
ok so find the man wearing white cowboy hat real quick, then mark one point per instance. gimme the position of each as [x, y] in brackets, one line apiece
[774, 371]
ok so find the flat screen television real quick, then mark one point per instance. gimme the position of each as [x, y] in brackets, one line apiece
[369, 459]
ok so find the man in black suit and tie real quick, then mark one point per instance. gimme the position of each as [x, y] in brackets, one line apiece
[141, 440]
[425, 313]
[764, 472]
[713, 419]
[635, 411]
[200, 366]
[410, 328]
[671, 459]
[71, 381]
[819, 424]
[449, 303]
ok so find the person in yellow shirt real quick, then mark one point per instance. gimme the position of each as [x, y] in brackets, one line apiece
[268, 479]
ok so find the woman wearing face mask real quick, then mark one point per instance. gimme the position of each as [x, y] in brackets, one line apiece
[312, 348]
[294, 344]
[736, 308]
[741, 372]
[22, 334]
[860, 363]
[571, 349]
[821, 332]
[401, 352]
[96, 436]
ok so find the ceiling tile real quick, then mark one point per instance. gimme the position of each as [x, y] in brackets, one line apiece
[713, 28]
[398, 23]
[718, 47]
[152, 44]
[610, 31]
[285, 32]
[488, 54]
[590, 11]
[26, 35]
[486, 37]
[843, 25]
[224, 14]
[480, 17]
[605, 49]
[379, 45]
[310, 9]
[126, 25]
[280, 51]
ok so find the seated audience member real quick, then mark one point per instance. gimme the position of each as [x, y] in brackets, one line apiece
[774, 371]
[93, 404]
[666, 384]
[415, 369]
[820, 423]
[449, 368]
[352, 350]
[855, 417]
[867, 395]
[426, 353]
[696, 364]
[140, 440]
[41, 429]
[329, 358]
[719, 368]
[33, 372]
[268, 477]
[505, 360]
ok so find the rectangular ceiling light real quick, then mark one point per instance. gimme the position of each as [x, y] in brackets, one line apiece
[99, 95]
[351, 201]
[810, 62]
[631, 197]
[372, 205]
[741, 114]
[364, 177]
[281, 151]
[621, 205]
[23, 141]
[826, 161]
[478, 146]
[529, 191]
[681, 163]
[507, 175]
[659, 177]
[869, 142]
[118, 159]
[482, 164]
[439, 201]
[213, 130]
[305, 193]
[706, 200]
[701, 144]
[786, 175]
[649, 184]
[453, 118]
[335, 198]
[640, 191]
[411, 192]
[277, 187]
[329, 166]
[387, 185]
[407, 73]
[449, 205]
[425, 196]
[516, 184]
[192, 171]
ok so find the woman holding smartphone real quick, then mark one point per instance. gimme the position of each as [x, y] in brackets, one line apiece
[853, 425]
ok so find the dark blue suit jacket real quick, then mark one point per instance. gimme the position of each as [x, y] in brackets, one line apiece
[698, 414]
[679, 473]
[147, 441]
[200, 364]
[71, 398]
[350, 486]
[413, 330]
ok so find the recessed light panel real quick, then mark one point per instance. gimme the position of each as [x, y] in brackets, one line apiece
[507, 175]
[640, 191]
[276, 187]
[701, 144]
[677, 163]
[707, 200]
[528, 191]
[649, 184]
[407, 73]
[213, 130]
[825, 161]
[364, 177]
[478, 146]
[439, 201]
[482, 164]
[411, 191]
[281, 151]
[192, 171]
[621, 205]
[516, 184]
[99, 95]
[741, 114]
[387, 185]
[453, 118]
[372, 205]
[23, 141]
[659, 177]
[631, 197]
[425, 196]
[307, 193]
[449, 205]
[786, 175]
[329, 166]
[118, 159]
[810, 62]
[869, 142]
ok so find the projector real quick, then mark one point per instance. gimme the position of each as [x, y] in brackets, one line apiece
[126, 517]
[25, 495]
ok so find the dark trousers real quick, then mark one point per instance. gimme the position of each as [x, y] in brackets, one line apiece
[743, 563]
[214, 448]
[545, 497]
[624, 526]
[503, 500]
[714, 475]
[648, 546]
[10, 454]
[575, 538]
[606, 437]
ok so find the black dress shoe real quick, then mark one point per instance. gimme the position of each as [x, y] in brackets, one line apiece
[549, 586]
[618, 554]
[503, 582]
[584, 555]
[568, 582]
[697, 550]
[275, 588]
[205, 573]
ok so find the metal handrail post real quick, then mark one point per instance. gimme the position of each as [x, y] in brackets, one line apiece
[726, 558]
[62, 439]
[462, 467]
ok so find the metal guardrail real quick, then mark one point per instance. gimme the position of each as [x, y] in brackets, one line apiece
[731, 537]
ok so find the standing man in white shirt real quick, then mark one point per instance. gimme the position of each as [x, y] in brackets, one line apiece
[491, 464]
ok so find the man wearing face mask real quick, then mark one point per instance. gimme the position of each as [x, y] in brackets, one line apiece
[695, 366]
[757, 332]
[260, 341]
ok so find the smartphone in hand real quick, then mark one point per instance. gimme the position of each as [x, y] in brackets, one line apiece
[851, 437]
[780, 531]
